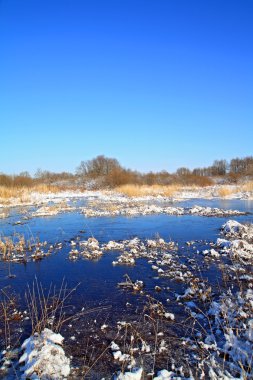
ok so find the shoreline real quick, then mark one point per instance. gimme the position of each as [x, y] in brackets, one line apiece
[33, 198]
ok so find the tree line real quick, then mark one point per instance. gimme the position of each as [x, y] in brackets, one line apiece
[236, 166]
[104, 171]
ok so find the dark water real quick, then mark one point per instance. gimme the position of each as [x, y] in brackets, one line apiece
[98, 280]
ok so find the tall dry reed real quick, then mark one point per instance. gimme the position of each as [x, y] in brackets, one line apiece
[144, 190]
[22, 194]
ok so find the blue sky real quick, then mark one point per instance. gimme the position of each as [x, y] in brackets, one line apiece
[157, 84]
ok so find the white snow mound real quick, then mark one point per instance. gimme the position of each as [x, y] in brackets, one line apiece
[232, 227]
[135, 374]
[44, 358]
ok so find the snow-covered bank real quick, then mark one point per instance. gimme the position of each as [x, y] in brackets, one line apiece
[44, 358]
[239, 240]
[215, 192]
[136, 210]
[231, 335]
[34, 198]
[108, 204]
[164, 374]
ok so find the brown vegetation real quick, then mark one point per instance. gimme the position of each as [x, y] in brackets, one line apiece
[144, 190]
[234, 169]
[23, 179]
[23, 193]
[105, 172]
[248, 186]
[225, 191]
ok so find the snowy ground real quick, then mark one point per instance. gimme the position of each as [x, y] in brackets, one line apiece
[100, 204]
[210, 192]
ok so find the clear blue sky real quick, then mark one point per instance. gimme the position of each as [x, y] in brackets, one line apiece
[157, 84]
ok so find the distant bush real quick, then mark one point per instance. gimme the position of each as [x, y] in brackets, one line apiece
[99, 166]
[191, 180]
[160, 178]
[20, 180]
[107, 172]
[5, 180]
[233, 178]
[200, 181]
[120, 176]
[45, 176]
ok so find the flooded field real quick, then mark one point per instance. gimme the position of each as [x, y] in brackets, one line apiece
[145, 282]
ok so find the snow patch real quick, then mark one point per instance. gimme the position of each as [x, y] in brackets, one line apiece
[43, 357]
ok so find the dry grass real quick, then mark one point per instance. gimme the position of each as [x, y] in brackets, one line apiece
[47, 309]
[8, 192]
[42, 188]
[170, 190]
[144, 190]
[22, 194]
[224, 191]
[248, 186]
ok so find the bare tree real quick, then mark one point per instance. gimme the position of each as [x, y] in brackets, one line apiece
[219, 167]
[183, 171]
[98, 167]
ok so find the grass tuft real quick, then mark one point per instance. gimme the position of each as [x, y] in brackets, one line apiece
[225, 191]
